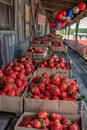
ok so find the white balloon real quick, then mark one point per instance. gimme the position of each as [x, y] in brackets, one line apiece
[76, 10]
[67, 18]
[64, 18]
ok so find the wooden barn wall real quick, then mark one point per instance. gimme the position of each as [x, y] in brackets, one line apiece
[13, 43]
[7, 44]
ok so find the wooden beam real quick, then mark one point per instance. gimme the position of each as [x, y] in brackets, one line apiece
[57, 7]
[47, 8]
[60, 3]
[67, 1]
[6, 3]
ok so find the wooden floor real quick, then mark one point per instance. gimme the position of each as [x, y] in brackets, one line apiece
[79, 69]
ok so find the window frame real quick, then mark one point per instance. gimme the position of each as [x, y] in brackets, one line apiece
[11, 21]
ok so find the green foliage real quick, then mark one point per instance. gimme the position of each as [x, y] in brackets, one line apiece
[72, 30]
[80, 30]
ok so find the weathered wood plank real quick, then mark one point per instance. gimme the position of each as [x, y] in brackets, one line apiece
[7, 48]
[3, 49]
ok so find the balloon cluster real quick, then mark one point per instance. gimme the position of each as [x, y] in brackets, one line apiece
[64, 16]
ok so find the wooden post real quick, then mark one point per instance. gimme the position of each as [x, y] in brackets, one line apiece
[76, 34]
[68, 32]
[65, 32]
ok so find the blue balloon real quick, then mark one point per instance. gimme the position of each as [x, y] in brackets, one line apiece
[69, 12]
[72, 16]
[56, 23]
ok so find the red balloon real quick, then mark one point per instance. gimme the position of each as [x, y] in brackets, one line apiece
[63, 12]
[64, 22]
[59, 15]
[51, 24]
[82, 5]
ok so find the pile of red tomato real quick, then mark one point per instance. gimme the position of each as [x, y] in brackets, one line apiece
[53, 87]
[35, 50]
[46, 121]
[55, 62]
[14, 77]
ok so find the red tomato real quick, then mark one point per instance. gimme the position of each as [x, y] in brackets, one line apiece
[63, 86]
[49, 86]
[73, 126]
[2, 92]
[41, 87]
[45, 97]
[47, 93]
[9, 79]
[55, 116]
[35, 90]
[46, 122]
[55, 98]
[43, 114]
[55, 126]
[64, 126]
[45, 75]
[51, 65]
[21, 89]
[72, 88]
[16, 68]
[75, 95]
[22, 59]
[45, 80]
[18, 82]
[66, 121]
[55, 91]
[20, 76]
[55, 79]
[21, 66]
[36, 79]
[31, 85]
[63, 94]
[11, 93]
[36, 123]
[7, 87]
[13, 75]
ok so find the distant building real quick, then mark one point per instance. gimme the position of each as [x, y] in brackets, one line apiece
[81, 36]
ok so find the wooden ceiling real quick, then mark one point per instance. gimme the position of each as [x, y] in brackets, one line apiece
[53, 6]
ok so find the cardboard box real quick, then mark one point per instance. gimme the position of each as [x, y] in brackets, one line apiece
[37, 56]
[56, 40]
[40, 45]
[61, 106]
[11, 103]
[73, 118]
[43, 46]
[59, 49]
[56, 48]
[65, 73]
